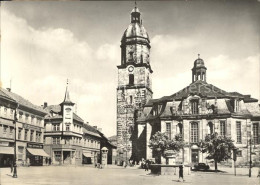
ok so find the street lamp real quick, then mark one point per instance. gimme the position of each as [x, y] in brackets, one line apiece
[15, 165]
[250, 156]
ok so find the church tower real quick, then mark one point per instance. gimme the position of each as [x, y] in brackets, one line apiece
[134, 81]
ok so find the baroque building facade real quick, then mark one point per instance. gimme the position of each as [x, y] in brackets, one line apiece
[197, 110]
[134, 82]
[20, 116]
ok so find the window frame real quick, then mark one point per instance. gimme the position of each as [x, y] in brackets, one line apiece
[194, 132]
[238, 132]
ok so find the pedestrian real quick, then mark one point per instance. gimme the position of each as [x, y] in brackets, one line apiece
[12, 166]
[46, 161]
[181, 172]
[49, 161]
[146, 165]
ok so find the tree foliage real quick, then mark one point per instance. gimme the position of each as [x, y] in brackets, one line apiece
[160, 142]
[218, 148]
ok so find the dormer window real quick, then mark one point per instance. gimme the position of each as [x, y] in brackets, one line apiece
[194, 106]
[235, 104]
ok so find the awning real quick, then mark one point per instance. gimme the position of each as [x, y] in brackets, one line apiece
[86, 154]
[38, 152]
[7, 150]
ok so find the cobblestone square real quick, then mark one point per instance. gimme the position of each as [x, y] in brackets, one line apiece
[115, 175]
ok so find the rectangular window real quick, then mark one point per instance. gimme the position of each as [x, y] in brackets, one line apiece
[38, 135]
[255, 133]
[222, 128]
[20, 116]
[131, 79]
[25, 135]
[31, 136]
[238, 132]
[239, 153]
[26, 118]
[5, 111]
[5, 129]
[11, 130]
[194, 107]
[56, 127]
[168, 130]
[32, 120]
[55, 140]
[194, 132]
[67, 127]
[19, 133]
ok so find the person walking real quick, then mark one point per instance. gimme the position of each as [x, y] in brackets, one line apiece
[49, 161]
[46, 161]
[12, 166]
[146, 165]
[181, 172]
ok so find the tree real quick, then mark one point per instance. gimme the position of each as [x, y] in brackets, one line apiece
[218, 148]
[160, 143]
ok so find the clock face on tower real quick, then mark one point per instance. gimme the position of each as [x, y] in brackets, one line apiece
[130, 69]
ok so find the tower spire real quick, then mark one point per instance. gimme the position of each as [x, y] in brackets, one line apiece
[67, 96]
[135, 15]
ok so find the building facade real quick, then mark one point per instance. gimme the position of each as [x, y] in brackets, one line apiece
[197, 110]
[28, 120]
[134, 82]
[68, 140]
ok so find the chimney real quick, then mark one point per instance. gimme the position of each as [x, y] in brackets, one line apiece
[95, 127]
[9, 89]
[45, 105]
[100, 129]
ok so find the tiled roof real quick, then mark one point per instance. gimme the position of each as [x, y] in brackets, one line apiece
[90, 130]
[57, 109]
[203, 89]
[21, 101]
[2, 94]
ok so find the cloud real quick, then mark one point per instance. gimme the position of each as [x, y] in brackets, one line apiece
[40, 60]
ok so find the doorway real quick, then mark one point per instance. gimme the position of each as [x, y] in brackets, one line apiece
[194, 155]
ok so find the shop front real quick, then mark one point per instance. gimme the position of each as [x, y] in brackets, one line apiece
[6, 154]
[86, 157]
[35, 154]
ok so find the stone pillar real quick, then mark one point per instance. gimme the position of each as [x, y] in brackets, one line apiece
[61, 159]
[104, 152]
[148, 136]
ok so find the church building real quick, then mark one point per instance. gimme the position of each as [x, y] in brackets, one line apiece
[197, 110]
[134, 82]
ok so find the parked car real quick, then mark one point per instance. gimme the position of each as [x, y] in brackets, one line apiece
[201, 166]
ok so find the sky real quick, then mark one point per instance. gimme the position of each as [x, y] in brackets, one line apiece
[45, 43]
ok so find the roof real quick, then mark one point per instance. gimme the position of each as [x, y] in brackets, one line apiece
[90, 130]
[57, 110]
[169, 105]
[203, 89]
[135, 30]
[20, 100]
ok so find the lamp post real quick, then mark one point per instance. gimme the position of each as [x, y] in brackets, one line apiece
[15, 165]
[126, 136]
[250, 156]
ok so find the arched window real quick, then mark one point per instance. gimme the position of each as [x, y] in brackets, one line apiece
[211, 128]
[194, 132]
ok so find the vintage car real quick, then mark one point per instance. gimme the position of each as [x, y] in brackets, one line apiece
[201, 166]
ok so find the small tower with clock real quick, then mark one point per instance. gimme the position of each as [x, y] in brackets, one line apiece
[134, 81]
